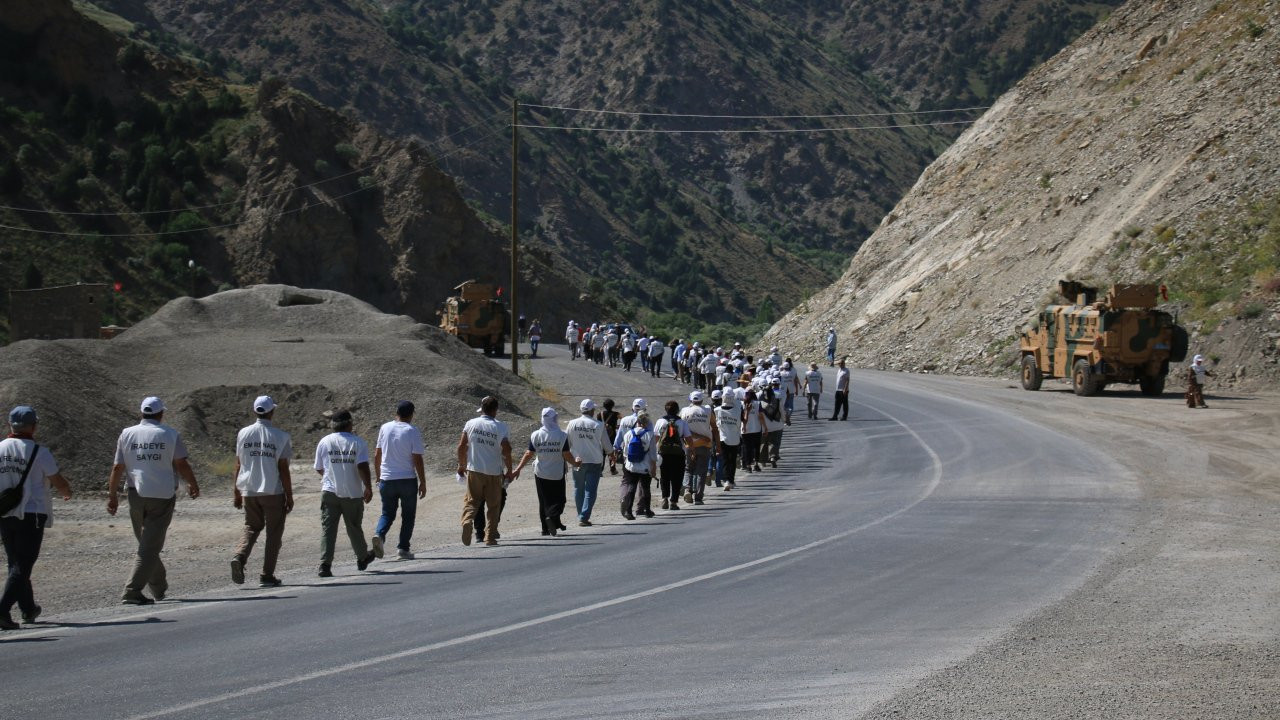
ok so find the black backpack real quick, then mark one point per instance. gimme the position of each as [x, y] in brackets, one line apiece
[772, 408]
[670, 442]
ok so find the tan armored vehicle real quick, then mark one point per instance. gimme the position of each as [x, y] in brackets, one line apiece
[477, 317]
[1119, 339]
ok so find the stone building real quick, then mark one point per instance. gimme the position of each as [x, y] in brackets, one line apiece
[67, 311]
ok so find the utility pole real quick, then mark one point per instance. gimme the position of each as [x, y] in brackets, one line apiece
[515, 233]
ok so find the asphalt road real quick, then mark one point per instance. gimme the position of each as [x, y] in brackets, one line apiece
[882, 548]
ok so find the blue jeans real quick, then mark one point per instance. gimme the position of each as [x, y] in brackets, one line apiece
[831, 356]
[405, 494]
[586, 483]
[533, 346]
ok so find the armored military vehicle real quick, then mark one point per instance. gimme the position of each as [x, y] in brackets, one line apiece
[477, 317]
[1119, 339]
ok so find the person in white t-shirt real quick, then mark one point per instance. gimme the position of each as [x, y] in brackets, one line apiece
[397, 459]
[263, 488]
[22, 528]
[813, 389]
[841, 411]
[703, 439]
[346, 486]
[152, 458]
[571, 337]
[729, 423]
[790, 388]
[484, 458]
[642, 349]
[752, 428]
[549, 451]
[590, 445]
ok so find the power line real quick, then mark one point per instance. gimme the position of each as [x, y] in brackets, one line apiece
[259, 198]
[763, 131]
[282, 213]
[756, 117]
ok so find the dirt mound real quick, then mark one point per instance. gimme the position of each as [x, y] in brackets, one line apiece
[311, 350]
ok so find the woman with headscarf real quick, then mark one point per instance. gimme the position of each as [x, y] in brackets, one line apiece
[1195, 382]
[549, 450]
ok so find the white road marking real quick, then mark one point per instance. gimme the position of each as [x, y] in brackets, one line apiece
[240, 693]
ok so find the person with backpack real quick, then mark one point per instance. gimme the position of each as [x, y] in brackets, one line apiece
[771, 409]
[703, 437]
[639, 467]
[26, 473]
[610, 418]
[672, 434]
[729, 422]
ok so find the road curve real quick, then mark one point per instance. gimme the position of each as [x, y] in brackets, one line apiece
[881, 549]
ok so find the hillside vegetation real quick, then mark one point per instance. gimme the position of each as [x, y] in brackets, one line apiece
[1143, 152]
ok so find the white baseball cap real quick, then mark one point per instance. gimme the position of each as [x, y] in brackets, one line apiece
[152, 405]
[587, 405]
[716, 394]
[695, 396]
[264, 404]
[639, 404]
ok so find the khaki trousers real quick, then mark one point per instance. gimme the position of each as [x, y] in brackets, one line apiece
[350, 512]
[263, 511]
[150, 518]
[484, 492]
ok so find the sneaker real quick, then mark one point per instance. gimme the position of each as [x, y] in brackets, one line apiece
[404, 554]
[269, 581]
[466, 534]
[158, 595]
[490, 543]
[728, 487]
[758, 468]
[369, 557]
[325, 571]
[628, 515]
[377, 546]
[688, 496]
[584, 523]
[698, 502]
[649, 513]
[137, 600]
[30, 617]
[775, 464]
[665, 504]
[675, 506]
[237, 571]
[552, 530]
[7, 623]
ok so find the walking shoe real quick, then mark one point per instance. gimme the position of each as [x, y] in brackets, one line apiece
[377, 546]
[326, 572]
[665, 504]
[466, 534]
[775, 464]
[758, 468]
[628, 515]
[560, 525]
[552, 531]
[688, 496]
[748, 469]
[675, 506]
[269, 581]
[728, 487]
[30, 617]
[7, 623]
[237, 571]
[158, 595]
[584, 523]
[490, 543]
[369, 557]
[137, 600]
[613, 469]
[649, 513]
[698, 501]
[404, 554]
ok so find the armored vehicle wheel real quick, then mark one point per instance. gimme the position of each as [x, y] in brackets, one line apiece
[1082, 379]
[1152, 385]
[1031, 375]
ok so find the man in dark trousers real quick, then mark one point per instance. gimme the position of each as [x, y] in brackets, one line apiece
[841, 411]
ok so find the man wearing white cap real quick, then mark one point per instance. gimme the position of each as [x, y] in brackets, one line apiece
[637, 406]
[729, 423]
[589, 443]
[153, 457]
[571, 337]
[28, 470]
[656, 348]
[702, 438]
[263, 488]
[549, 451]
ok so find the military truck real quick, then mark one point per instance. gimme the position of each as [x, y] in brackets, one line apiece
[477, 317]
[1119, 339]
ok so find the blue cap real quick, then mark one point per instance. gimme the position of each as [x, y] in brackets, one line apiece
[22, 415]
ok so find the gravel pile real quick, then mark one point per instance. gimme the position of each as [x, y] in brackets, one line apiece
[312, 350]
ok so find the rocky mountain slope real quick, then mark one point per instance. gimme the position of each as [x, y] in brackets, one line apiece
[635, 217]
[1143, 152]
[136, 164]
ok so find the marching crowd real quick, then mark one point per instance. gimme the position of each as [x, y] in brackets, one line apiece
[737, 410]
